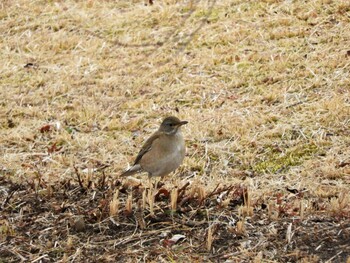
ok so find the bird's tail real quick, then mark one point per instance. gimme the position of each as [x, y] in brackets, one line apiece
[132, 170]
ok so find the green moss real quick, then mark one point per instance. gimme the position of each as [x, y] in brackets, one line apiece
[6, 229]
[212, 15]
[276, 161]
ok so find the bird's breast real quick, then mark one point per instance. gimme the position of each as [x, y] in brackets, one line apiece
[165, 156]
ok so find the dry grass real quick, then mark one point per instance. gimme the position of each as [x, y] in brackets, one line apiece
[264, 85]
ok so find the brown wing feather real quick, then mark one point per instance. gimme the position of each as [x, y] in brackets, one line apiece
[146, 147]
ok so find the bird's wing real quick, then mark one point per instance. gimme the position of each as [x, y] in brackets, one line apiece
[132, 170]
[147, 147]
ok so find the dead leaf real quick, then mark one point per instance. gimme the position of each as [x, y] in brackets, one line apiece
[172, 241]
[54, 148]
[45, 128]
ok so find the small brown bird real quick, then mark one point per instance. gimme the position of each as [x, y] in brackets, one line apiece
[163, 152]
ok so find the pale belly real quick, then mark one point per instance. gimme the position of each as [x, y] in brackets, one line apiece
[168, 164]
[165, 161]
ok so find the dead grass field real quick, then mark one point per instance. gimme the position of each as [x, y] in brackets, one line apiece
[264, 85]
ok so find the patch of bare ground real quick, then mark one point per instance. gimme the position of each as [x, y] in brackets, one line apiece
[74, 221]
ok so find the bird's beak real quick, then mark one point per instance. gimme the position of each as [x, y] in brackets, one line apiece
[182, 123]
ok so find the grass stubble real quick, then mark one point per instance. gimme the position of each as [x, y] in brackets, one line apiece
[264, 86]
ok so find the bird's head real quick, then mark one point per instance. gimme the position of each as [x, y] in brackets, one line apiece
[170, 125]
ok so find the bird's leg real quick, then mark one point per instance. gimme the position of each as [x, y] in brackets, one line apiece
[153, 184]
[149, 181]
[174, 179]
[157, 181]
[151, 195]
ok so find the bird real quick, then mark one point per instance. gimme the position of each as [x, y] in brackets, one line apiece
[163, 152]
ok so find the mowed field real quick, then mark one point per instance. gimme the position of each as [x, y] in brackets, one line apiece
[264, 85]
